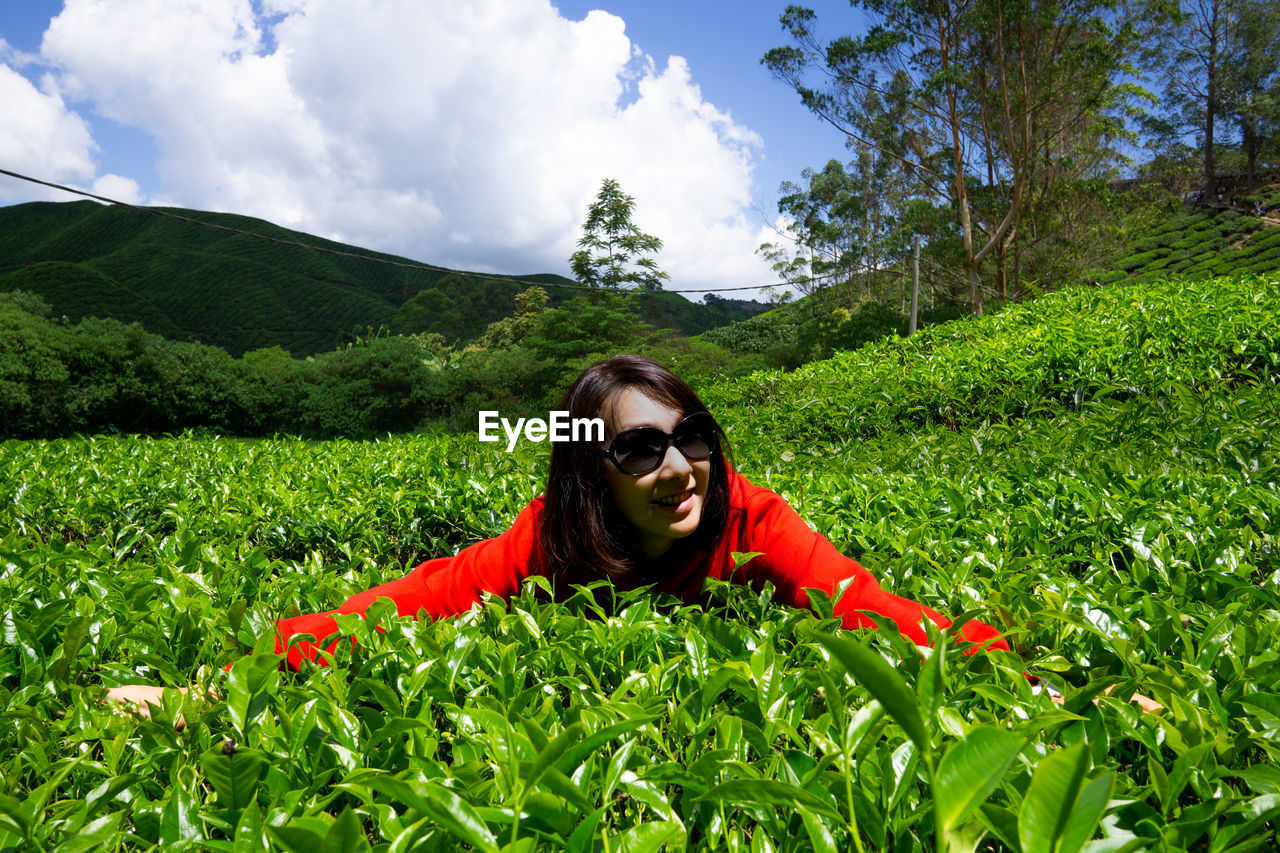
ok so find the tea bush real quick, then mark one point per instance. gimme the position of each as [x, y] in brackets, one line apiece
[1095, 474]
[1065, 348]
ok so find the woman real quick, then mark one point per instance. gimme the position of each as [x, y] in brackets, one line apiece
[657, 503]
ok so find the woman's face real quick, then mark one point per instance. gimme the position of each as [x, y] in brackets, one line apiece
[665, 504]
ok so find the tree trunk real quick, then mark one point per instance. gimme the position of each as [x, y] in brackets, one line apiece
[1249, 129]
[1211, 105]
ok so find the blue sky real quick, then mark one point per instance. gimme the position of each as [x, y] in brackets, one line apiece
[469, 137]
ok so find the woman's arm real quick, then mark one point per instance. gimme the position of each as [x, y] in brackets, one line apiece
[443, 587]
[796, 558]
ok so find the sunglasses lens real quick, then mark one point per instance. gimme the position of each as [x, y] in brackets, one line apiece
[696, 444]
[640, 452]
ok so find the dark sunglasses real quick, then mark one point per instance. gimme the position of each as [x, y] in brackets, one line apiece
[639, 450]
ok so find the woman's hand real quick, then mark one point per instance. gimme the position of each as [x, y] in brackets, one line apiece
[1147, 704]
[134, 697]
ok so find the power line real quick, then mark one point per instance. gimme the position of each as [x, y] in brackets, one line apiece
[386, 261]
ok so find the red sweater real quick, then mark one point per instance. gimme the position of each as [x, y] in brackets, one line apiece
[793, 557]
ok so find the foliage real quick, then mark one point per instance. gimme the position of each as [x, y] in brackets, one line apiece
[1000, 112]
[612, 251]
[1067, 347]
[1126, 541]
[530, 306]
[821, 220]
[1218, 63]
[100, 375]
[813, 332]
[1210, 241]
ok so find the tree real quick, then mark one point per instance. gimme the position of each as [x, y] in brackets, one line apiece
[510, 331]
[1251, 81]
[993, 89]
[1197, 53]
[612, 249]
[822, 220]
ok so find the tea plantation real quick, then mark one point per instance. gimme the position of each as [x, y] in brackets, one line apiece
[1096, 473]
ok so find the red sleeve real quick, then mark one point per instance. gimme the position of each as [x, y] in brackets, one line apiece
[442, 587]
[796, 558]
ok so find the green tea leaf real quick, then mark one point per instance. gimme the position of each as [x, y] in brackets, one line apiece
[649, 838]
[234, 773]
[442, 805]
[970, 771]
[180, 820]
[883, 682]
[766, 792]
[1086, 814]
[346, 835]
[1050, 799]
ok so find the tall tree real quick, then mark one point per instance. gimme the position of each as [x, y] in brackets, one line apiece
[1200, 43]
[1251, 81]
[612, 251]
[822, 219]
[991, 86]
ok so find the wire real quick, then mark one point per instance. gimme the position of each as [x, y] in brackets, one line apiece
[402, 264]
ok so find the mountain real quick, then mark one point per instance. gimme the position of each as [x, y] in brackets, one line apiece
[189, 282]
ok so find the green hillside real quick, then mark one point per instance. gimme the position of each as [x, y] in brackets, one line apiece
[1167, 239]
[192, 283]
[1156, 338]
[1208, 241]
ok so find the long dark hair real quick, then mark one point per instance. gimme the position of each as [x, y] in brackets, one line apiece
[582, 533]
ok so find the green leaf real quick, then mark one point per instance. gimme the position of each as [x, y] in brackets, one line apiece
[1262, 778]
[819, 836]
[649, 838]
[247, 684]
[1048, 803]
[72, 639]
[573, 757]
[970, 771]
[1002, 823]
[346, 835]
[249, 836]
[15, 815]
[768, 792]
[697, 647]
[180, 821]
[1260, 810]
[580, 840]
[234, 776]
[1086, 814]
[442, 805]
[554, 751]
[929, 687]
[296, 839]
[883, 682]
[1159, 781]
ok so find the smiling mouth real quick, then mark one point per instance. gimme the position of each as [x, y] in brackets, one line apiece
[676, 499]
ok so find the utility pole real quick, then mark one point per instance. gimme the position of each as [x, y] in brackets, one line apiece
[915, 288]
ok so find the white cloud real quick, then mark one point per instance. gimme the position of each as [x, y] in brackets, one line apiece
[11, 56]
[469, 134]
[118, 188]
[40, 137]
